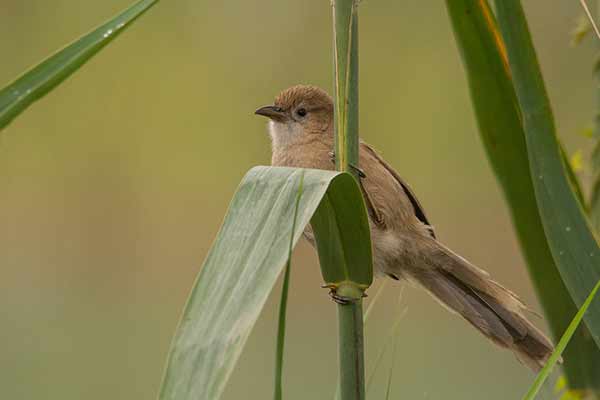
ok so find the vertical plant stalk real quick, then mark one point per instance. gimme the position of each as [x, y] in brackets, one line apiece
[351, 351]
[350, 316]
[345, 20]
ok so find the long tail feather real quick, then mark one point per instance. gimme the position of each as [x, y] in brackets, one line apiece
[490, 308]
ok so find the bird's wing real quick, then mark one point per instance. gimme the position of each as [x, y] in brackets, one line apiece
[419, 212]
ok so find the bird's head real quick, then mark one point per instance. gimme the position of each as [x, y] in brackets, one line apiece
[298, 111]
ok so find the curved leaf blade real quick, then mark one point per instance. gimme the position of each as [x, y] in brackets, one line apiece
[44, 77]
[342, 254]
[572, 243]
[240, 270]
[498, 116]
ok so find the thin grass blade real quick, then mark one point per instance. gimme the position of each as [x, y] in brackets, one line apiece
[562, 344]
[373, 302]
[44, 77]
[393, 333]
[393, 363]
[590, 17]
[283, 304]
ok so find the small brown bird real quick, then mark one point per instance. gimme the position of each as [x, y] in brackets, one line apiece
[404, 242]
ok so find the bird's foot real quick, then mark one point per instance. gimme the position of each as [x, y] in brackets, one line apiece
[358, 171]
[339, 299]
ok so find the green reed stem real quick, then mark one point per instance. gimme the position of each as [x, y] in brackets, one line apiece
[350, 316]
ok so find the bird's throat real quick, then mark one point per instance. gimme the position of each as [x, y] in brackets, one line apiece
[284, 134]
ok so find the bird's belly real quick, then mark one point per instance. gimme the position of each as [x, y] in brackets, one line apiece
[393, 252]
[389, 253]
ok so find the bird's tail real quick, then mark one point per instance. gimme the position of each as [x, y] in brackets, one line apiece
[493, 310]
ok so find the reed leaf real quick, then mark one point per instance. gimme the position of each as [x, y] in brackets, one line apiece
[241, 268]
[498, 116]
[44, 77]
[570, 238]
[342, 268]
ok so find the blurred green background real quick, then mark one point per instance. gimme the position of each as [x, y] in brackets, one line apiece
[113, 186]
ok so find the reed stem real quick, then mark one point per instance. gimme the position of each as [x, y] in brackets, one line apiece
[350, 316]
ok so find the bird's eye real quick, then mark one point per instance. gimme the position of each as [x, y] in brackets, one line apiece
[301, 112]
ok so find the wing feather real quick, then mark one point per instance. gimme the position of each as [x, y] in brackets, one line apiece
[419, 211]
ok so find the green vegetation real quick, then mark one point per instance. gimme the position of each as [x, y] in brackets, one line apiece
[360, 275]
[44, 77]
[560, 347]
[272, 207]
[502, 132]
[242, 267]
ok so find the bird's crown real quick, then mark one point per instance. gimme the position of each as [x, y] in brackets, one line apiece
[307, 95]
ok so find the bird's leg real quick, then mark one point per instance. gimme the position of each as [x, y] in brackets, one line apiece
[360, 172]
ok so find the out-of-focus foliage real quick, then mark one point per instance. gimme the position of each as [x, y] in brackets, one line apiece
[571, 240]
[42, 78]
[114, 185]
[581, 30]
[501, 130]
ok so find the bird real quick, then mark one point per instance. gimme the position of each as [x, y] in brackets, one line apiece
[405, 245]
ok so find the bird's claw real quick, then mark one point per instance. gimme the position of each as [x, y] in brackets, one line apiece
[358, 171]
[339, 299]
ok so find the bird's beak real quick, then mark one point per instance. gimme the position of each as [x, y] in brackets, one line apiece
[273, 112]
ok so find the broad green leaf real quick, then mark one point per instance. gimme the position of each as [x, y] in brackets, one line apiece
[241, 268]
[571, 240]
[41, 79]
[560, 347]
[331, 234]
[498, 116]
